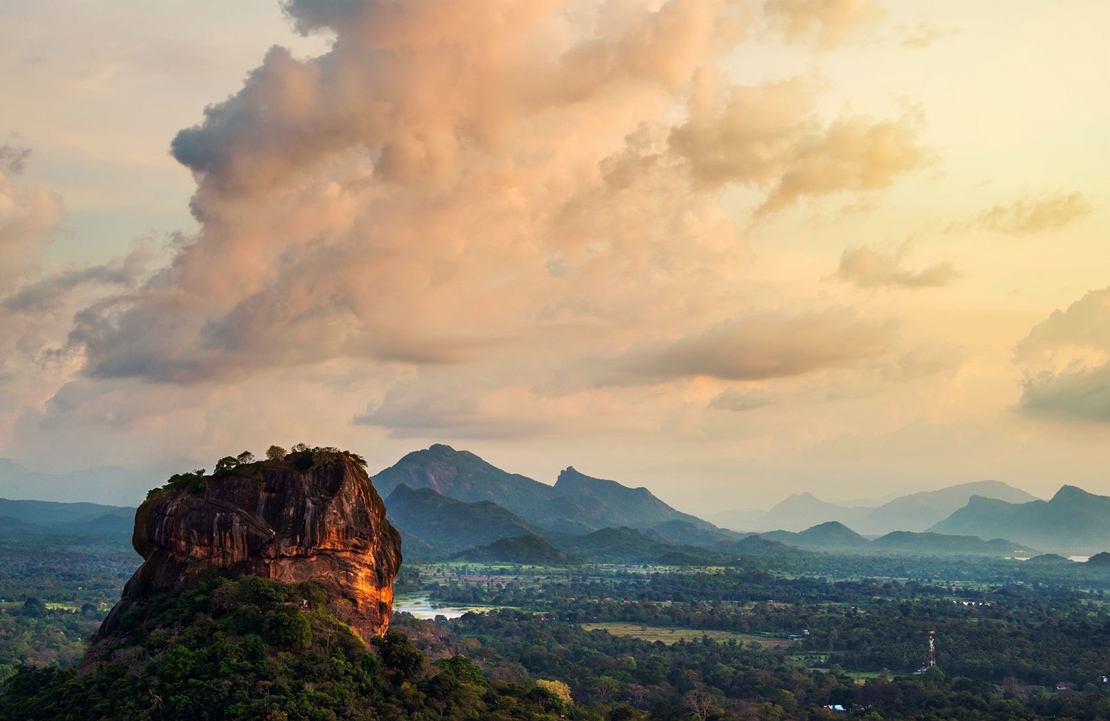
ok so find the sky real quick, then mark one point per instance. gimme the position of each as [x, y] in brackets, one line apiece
[729, 250]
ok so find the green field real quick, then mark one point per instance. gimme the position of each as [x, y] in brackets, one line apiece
[672, 635]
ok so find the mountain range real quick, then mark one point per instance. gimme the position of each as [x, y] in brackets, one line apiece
[109, 484]
[64, 518]
[446, 501]
[915, 512]
[577, 503]
[1072, 522]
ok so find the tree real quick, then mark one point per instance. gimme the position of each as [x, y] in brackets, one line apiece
[34, 607]
[402, 660]
[558, 689]
[275, 453]
[245, 457]
[933, 676]
[701, 703]
[225, 465]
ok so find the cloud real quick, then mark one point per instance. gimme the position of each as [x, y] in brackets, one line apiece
[920, 36]
[30, 216]
[855, 154]
[1066, 361]
[14, 159]
[1085, 325]
[460, 416]
[449, 180]
[767, 136]
[740, 400]
[36, 308]
[1079, 394]
[50, 293]
[826, 23]
[871, 268]
[1036, 215]
[769, 345]
[924, 361]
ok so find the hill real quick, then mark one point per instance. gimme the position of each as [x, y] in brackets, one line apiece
[805, 510]
[252, 649]
[919, 511]
[829, 536]
[629, 545]
[936, 544]
[524, 550]
[760, 546]
[1049, 559]
[577, 503]
[913, 512]
[690, 534]
[1072, 522]
[448, 525]
[54, 517]
[609, 503]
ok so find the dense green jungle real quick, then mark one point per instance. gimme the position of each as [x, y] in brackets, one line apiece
[817, 636]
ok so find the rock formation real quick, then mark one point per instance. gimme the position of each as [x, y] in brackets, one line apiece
[313, 515]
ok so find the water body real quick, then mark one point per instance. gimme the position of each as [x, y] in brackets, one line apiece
[422, 608]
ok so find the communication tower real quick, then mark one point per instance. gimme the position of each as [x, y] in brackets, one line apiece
[932, 648]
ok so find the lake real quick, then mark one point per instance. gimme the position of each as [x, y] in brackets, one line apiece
[421, 607]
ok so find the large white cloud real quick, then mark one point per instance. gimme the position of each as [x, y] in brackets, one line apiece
[446, 181]
[1066, 360]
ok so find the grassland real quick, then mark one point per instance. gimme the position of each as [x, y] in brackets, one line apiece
[672, 635]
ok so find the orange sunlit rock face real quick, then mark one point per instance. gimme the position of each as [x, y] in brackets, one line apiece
[326, 524]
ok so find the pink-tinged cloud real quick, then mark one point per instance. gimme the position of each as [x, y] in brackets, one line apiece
[769, 345]
[867, 267]
[452, 178]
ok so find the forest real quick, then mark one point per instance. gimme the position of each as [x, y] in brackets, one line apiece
[763, 638]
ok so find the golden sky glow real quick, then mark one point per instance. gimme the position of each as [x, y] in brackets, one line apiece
[730, 250]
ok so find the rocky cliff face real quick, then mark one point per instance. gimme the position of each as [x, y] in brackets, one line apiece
[313, 516]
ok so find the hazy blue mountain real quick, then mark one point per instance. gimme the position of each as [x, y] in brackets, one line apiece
[920, 511]
[525, 550]
[738, 519]
[937, 544]
[1072, 522]
[690, 534]
[828, 536]
[805, 510]
[577, 503]
[54, 517]
[756, 545]
[608, 503]
[113, 485]
[913, 512]
[629, 545]
[1049, 559]
[448, 525]
[465, 477]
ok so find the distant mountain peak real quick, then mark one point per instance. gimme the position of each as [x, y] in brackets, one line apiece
[1070, 493]
[577, 503]
[574, 481]
[1074, 521]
